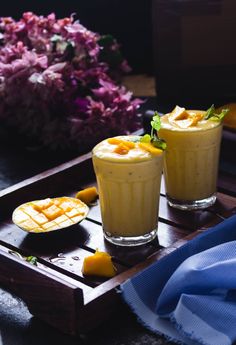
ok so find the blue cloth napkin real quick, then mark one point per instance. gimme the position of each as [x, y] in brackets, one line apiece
[189, 296]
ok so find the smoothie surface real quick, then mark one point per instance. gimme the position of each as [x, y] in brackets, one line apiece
[106, 151]
[181, 119]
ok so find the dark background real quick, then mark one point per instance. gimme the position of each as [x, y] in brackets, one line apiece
[188, 46]
[128, 21]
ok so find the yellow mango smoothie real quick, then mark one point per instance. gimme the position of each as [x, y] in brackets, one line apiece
[191, 159]
[128, 174]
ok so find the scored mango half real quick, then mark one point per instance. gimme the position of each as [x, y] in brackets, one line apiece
[49, 214]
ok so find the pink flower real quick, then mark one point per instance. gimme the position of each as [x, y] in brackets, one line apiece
[55, 86]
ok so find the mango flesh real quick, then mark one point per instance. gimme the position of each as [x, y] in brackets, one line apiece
[99, 264]
[117, 141]
[184, 118]
[87, 195]
[49, 214]
[150, 148]
[121, 149]
[179, 113]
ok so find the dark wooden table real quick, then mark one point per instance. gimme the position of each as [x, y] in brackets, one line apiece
[17, 325]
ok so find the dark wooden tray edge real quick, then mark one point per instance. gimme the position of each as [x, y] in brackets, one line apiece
[60, 297]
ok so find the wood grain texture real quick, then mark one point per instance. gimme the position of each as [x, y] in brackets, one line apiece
[56, 290]
[50, 298]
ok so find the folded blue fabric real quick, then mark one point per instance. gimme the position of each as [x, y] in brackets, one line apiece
[190, 295]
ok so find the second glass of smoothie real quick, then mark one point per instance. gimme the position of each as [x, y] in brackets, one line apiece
[191, 159]
[128, 177]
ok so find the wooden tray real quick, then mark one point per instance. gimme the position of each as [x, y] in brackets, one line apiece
[56, 291]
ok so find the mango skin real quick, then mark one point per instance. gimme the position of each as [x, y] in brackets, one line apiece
[99, 264]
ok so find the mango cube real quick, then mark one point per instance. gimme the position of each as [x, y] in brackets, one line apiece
[40, 218]
[99, 264]
[52, 212]
[42, 204]
[114, 141]
[61, 219]
[179, 114]
[87, 195]
[50, 225]
[29, 224]
[121, 149]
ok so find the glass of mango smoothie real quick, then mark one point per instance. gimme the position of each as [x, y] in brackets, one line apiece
[128, 174]
[193, 140]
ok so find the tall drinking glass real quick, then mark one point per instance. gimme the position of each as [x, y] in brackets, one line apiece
[191, 159]
[128, 178]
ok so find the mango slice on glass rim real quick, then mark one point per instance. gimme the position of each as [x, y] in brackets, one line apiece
[151, 149]
[49, 214]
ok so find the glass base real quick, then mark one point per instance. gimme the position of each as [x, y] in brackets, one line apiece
[131, 241]
[188, 205]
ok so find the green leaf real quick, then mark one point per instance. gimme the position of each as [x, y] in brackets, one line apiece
[222, 114]
[32, 259]
[153, 138]
[156, 121]
[210, 112]
[159, 143]
[213, 116]
[146, 138]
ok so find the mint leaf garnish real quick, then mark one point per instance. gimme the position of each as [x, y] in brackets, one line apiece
[146, 138]
[156, 121]
[159, 143]
[153, 138]
[32, 259]
[213, 116]
[156, 125]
